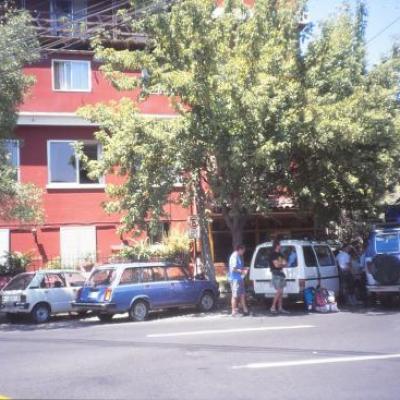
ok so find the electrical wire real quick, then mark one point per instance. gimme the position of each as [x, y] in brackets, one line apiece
[383, 30]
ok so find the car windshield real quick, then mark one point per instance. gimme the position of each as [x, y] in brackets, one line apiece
[102, 277]
[19, 282]
[387, 243]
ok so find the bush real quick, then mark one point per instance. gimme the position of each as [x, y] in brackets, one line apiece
[174, 247]
[15, 263]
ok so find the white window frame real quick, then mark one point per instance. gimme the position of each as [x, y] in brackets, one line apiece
[18, 166]
[89, 89]
[76, 184]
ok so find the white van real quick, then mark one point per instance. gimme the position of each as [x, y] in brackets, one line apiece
[309, 264]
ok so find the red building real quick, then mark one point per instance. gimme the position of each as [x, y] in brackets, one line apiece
[67, 77]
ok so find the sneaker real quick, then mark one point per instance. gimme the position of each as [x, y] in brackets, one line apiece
[236, 315]
[283, 311]
[273, 311]
[246, 313]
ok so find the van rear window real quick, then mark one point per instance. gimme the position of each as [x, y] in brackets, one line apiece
[387, 243]
[264, 255]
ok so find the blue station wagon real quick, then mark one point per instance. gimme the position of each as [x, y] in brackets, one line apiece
[138, 288]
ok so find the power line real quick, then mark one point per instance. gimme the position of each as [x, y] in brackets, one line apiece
[383, 30]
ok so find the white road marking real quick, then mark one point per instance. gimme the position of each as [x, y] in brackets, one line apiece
[223, 331]
[317, 361]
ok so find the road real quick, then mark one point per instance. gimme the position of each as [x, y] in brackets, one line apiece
[348, 355]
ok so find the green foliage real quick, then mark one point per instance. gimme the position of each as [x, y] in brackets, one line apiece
[54, 263]
[18, 47]
[15, 263]
[174, 247]
[257, 116]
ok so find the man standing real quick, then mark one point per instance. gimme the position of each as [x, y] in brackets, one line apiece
[346, 274]
[277, 263]
[237, 272]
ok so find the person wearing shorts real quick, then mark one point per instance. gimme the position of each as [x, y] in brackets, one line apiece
[277, 263]
[237, 273]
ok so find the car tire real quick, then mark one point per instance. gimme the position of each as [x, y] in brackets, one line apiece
[40, 313]
[207, 302]
[105, 317]
[139, 311]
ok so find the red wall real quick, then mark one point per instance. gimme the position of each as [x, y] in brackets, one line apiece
[42, 98]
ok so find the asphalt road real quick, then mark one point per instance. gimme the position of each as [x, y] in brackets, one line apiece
[349, 355]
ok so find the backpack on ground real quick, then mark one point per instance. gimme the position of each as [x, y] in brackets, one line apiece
[309, 295]
[324, 301]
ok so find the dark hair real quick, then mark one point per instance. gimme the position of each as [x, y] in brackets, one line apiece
[240, 247]
[276, 243]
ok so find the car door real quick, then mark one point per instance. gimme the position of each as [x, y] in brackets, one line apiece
[57, 294]
[156, 286]
[327, 268]
[75, 281]
[260, 271]
[182, 288]
[311, 270]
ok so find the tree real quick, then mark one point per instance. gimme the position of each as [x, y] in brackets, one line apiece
[18, 46]
[257, 117]
[347, 152]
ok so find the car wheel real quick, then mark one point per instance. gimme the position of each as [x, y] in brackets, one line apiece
[139, 311]
[40, 313]
[207, 302]
[105, 317]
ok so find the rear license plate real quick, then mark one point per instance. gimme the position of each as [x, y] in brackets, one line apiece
[93, 295]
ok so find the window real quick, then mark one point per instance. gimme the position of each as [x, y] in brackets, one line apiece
[158, 274]
[54, 281]
[157, 237]
[130, 275]
[264, 255]
[147, 274]
[102, 277]
[387, 243]
[68, 17]
[11, 149]
[71, 75]
[324, 256]
[20, 282]
[309, 256]
[176, 274]
[75, 279]
[64, 164]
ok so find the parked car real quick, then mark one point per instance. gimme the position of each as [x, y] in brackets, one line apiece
[41, 294]
[309, 264]
[382, 261]
[138, 288]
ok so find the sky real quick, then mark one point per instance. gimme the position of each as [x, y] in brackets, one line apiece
[381, 13]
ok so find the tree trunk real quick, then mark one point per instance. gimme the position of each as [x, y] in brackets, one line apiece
[235, 221]
[200, 198]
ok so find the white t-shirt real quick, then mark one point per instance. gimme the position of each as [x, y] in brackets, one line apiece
[343, 260]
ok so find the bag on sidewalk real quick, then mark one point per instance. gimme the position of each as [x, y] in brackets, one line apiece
[325, 301]
[309, 295]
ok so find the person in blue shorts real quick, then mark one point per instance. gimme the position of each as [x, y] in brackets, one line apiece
[237, 272]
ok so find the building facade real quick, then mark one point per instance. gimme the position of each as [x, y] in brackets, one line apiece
[76, 229]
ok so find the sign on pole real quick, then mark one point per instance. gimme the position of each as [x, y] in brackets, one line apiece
[193, 227]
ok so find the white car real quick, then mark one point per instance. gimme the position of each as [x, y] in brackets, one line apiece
[309, 264]
[41, 293]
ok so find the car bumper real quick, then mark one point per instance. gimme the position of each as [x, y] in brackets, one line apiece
[82, 306]
[15, 307]
[383, 289]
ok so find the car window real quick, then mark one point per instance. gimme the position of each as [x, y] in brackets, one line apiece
[130, 275]
[158, 274]
[102, 277]
[387, 243]
[147, 274]
[309, 256]
[19, 282]
[324, 256]
[55, 281]
[264, 254]
[176, 273]
[74, 279]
